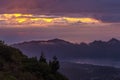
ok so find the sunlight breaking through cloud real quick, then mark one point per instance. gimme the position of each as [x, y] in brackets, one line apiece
[30, 19]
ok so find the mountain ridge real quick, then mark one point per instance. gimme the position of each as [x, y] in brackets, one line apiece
[64, 49]
[61, 40]
[39, 41]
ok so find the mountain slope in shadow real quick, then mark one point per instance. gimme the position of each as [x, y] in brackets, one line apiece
[66, 50]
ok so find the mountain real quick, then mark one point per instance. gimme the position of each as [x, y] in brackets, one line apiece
[50, 47]
[66, 50]
[14, 65]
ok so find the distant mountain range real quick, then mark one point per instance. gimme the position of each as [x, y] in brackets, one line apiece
[66, 50]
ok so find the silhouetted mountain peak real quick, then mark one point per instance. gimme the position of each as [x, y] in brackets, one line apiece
[61, 48]
[113, 41]
[97, 43]
[56, 40]
[46, 42]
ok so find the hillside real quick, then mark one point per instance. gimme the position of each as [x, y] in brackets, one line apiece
[14, 65]
[66, 50]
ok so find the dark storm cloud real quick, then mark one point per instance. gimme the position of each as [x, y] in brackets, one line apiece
[77, 6]
[106, 10]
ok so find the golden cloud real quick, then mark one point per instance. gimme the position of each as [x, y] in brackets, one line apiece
[30, 19]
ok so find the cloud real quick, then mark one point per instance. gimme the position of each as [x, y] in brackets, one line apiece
[43, 20]
[66, 6]
[106, 10]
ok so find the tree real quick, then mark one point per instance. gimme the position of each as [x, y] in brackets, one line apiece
[2, 42]
[42, 58]
[54, 64]
[14, 65]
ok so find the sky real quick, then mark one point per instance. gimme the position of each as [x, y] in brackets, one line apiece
[72, 20]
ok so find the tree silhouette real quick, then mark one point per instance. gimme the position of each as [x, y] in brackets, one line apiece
[14, 65]
[42, 58]
[2, 42]
[54, 64]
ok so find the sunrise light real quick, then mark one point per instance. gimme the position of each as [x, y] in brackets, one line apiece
[18, 18]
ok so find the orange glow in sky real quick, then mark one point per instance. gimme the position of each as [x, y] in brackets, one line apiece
[18, 18]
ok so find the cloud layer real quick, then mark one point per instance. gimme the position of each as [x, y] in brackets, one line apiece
[106, 10]
[43, 20]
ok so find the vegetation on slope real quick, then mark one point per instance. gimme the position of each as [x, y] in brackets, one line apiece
[16, 66]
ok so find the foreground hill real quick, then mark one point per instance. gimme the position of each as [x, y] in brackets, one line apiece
[67, 50]
[16, 66]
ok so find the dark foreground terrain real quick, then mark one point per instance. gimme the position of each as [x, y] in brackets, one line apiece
[16, 66]
[77, 71]
[67, 51]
